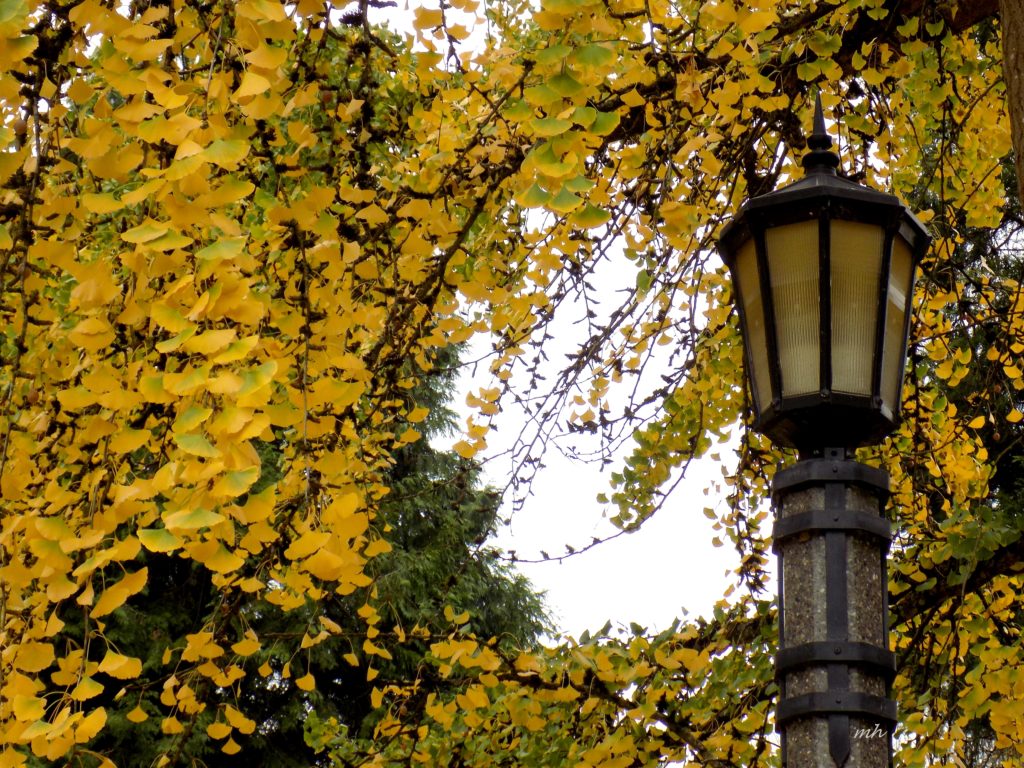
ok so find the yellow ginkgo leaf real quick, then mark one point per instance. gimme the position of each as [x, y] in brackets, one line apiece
[28, 708]
[121, 667]
[246, 647]
[33, 656]
[114, 597]
[465, 449]
[86, 689]
[92, 334]
[128, 440]
[101, 203]
[252, 85]
[90, 725]
[218, 730]
[377, 547]
[239, 721]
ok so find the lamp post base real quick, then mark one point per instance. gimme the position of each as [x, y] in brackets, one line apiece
[834, 665]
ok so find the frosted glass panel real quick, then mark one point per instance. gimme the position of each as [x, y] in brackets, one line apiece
[856, 270]
[900, 276]
[753, 312]
[793, 267]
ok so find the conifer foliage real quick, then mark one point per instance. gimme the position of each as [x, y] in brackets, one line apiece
[439, 520]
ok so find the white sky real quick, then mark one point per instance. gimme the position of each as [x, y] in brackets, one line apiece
[665, 569]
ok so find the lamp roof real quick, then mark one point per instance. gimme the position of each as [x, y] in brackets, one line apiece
[821, 186]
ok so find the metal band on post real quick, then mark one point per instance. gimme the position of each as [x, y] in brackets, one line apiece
[880, 661]
[834, 665]
[847, 520]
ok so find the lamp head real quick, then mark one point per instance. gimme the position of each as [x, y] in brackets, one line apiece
[823, 273]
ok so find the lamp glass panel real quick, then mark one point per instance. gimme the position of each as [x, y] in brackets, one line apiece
[901, 276]
[856, 265]
[793, 266]
[749, 283]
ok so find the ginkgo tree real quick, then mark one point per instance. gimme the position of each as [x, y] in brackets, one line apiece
[227, 224]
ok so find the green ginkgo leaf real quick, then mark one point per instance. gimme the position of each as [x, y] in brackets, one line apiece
[191, 418]
[533, 197]
[518, 111]
[605, 123]
[227, 248]
[550, 163]
[145, 232]
[553, 54]
[158, 539]
[565, 201]
[579, 184]
[227, 153]
[594, 55]
[584, 116]
[590, 216]
[565, 85]
[196, 445]
[193, 519]
[550, 126]
[541, 95]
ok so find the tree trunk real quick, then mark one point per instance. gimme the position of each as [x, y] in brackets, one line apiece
[1011, 16]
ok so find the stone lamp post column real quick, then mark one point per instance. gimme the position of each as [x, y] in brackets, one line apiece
[834, 665]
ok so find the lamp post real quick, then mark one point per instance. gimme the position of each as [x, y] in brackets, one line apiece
[823, 273]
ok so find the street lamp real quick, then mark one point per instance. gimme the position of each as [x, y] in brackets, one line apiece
[823, 273]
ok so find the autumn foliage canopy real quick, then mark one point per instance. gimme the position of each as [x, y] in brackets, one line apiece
[230, 230]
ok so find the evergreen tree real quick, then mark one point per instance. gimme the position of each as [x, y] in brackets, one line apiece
[438, 519]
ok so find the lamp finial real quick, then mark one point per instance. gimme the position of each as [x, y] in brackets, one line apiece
[821, 158]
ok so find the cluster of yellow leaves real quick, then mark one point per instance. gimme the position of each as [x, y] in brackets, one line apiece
[609, 701]
[209, 246]
[695, 92]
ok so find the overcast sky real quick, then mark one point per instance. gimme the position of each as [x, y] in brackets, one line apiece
[650, 577]
[666, 569]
